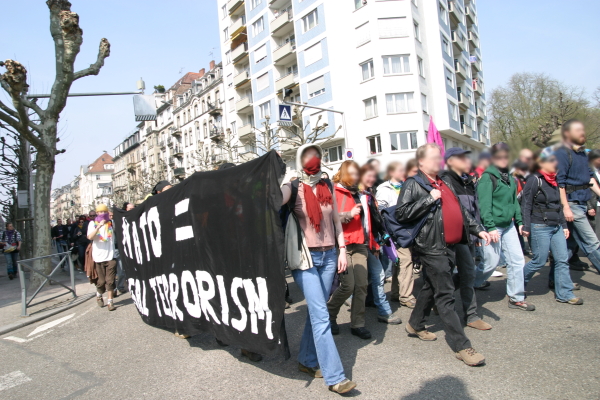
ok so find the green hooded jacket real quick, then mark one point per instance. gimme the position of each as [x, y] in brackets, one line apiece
[498, 206]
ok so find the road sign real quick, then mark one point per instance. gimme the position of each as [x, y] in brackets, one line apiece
[285, 113]
[349, 154]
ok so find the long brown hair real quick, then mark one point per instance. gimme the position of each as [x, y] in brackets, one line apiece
[342, 176]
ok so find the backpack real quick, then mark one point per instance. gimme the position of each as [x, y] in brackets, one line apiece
[286, 210]
[404, 234]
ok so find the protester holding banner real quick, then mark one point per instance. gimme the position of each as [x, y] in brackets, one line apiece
[100, 232]
[314, 211]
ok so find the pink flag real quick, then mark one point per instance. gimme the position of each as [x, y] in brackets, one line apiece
[433, 136]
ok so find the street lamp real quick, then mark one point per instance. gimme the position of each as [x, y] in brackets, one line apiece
[141, 85]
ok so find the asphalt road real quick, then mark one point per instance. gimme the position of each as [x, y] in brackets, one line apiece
[552, 353]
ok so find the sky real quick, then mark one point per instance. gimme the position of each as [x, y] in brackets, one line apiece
[160, 40]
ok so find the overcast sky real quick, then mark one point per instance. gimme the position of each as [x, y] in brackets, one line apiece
[161, 40]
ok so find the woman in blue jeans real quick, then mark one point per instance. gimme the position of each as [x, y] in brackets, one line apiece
[314, 209]
[545, 224]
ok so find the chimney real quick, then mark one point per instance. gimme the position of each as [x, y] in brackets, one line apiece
[212, 65]
[201, 72]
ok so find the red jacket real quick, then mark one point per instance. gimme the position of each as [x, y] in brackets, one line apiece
[352, 226]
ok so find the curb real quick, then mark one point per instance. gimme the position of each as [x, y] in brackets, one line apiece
[32, 320]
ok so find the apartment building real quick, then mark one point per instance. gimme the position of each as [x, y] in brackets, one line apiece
[388, 65]
[95, 182]
[128, 165]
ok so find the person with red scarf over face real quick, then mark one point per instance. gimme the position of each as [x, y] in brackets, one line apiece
[315, 211]
[545, 224]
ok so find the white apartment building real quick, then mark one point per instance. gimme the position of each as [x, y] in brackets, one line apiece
[388, 65]
[95, 183]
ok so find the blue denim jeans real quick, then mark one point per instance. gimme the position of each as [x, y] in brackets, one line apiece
[546, 238]
[510, 247]
[376, 280]
[386, 263]
[584, 235]
[317, 347]
[11, 262]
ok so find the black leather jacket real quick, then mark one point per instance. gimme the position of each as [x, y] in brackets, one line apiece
[414, 202]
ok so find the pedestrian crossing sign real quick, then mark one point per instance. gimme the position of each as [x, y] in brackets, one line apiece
[285, 113]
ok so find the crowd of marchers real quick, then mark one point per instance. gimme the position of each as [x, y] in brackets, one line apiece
[441, 215]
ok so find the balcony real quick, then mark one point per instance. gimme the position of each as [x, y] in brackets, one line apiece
[131, 166]
[478, 87]
[473, 39]
[286, 81]
[244, 104]
[479, 112]
[458, 41]
[246, 132]
[233, 6]
[240, 52]
[175, 131]
[475, 63]
[285, 53]
[465, 130]
[177, 151]
[216, 134]
[463, 101]
[179, 172]
[215, 108]
[171, 161]
[237, 27]
[218, 158]
[242, 78]
[161, 144]
[283, 24]
[460, 69]
[454, 12]
[277, 3]
[470, 13]
[170, 141]
[144, 155]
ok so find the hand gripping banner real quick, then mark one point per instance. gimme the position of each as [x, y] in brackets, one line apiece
[207, 255]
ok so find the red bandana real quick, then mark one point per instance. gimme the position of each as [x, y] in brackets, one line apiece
[550, 178]
[323, 197]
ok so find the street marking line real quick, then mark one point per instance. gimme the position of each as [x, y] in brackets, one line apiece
[49, 325]
[16, 339]
[13, 379]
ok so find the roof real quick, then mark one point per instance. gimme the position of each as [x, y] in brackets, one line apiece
[98, 164]
[182, 84]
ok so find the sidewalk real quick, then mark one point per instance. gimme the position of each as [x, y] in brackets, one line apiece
[10, 297]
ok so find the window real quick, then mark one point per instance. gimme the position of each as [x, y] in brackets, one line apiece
[359, 4]
[254, 3]
[225, 34]
[449, 78]
[443, 14]
[367, 70]
[260, 54]
[363, 34]
[313, 54]
[445, 45]
[374, 144]
[421, 67]
[399, 102]
[258, 26]
[262, 82]
[403, 140]
[424, 102]
[333, 154]
[417, 31]
[370, 107]
[98, 177]
[392, 27]
[233, 128]
[395, 65]
[224, 10]
[228, 57]
[310, 20]
[264, 110]
[231, 104]
[316, 87]
[453, 111]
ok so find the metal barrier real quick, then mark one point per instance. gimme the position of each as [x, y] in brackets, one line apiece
[66, 256]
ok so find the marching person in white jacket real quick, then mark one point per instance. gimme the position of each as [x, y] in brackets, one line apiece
[402, 272]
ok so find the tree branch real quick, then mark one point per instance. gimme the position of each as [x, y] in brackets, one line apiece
[94, 69]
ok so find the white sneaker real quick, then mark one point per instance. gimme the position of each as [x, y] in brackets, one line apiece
[497, 273]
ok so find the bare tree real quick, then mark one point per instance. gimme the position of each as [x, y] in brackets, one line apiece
[297, 133]
[67, 37]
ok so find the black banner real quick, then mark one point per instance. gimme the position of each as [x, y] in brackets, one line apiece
[207, 255]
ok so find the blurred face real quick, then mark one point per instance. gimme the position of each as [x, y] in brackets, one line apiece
[10, 227]
[110, 215]
[526, 156]
[461, 164]
[576, 134]
[500, 159]
[93, 214]
[412, 172]
[69, 221]
[430, 164]
[353, 174]
[129, 207]
[484, 163]
[368, 179]
[549, 166]
[399, 174]
[308, 154]
[596, 163]
[59, 221]
[166, 188]
[375, 164]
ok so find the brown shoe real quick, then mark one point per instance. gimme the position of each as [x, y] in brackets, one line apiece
[410, 303]
[343, 387]
[470, 357]
[314, 372]
[423, 335]
[180, 336]
[100, 301]
[111, 306]
[479, 324]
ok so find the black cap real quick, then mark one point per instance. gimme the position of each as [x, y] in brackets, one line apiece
[455, 151]
[485, 155]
